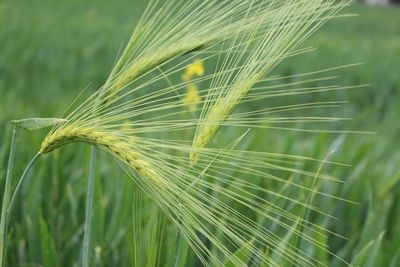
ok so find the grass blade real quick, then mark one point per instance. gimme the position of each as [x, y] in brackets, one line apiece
[7, 194]
[48, 248]
[89, 208]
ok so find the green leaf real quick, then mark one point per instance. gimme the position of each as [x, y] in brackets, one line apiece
[265, 263]
[32, 124]
[183, 252]
[373, 256]
[241, 254]
[362, 255]
[48, 248]
[283, 249]
[321, 250]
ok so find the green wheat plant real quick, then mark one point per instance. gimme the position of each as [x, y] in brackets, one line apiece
[186, 150]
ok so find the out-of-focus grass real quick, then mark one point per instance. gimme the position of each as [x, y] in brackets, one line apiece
[50, 51]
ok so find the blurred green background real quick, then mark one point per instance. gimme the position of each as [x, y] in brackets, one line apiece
[51, 50]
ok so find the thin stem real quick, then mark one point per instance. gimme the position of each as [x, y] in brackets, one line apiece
[88, 212]
[21, 180]
[178, 249]
[17, 189]
[7, 193]
[310, 199]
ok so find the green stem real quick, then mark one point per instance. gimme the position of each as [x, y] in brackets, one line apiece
[7, 193]
[88, 212]
[17, 189]
[178, 249]
[21, 180]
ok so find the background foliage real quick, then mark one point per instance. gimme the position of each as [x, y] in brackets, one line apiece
[51, 50]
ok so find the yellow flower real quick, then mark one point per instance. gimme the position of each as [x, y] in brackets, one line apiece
[194, 69]
[192, 98]
[126, 126]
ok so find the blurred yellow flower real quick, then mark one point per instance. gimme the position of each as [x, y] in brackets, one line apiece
[192, 98]
[194, 69]
[126, 126]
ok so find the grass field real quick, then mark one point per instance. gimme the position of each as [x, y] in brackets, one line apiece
[50, 51]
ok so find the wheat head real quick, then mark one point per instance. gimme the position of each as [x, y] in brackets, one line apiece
[282, 38]
[106, 141]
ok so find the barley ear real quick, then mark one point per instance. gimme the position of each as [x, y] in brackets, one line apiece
[292, 24]
[105, 140]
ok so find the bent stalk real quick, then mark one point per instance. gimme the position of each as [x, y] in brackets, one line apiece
[17, 189]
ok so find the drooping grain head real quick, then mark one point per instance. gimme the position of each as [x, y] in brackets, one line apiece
[105, 140]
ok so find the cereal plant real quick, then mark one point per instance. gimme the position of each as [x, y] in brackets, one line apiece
[190, 93]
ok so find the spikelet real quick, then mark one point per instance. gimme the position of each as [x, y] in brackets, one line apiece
[228, 199]
[193, 26]
[284, 35]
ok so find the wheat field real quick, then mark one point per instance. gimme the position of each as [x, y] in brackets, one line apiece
[219, 144]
